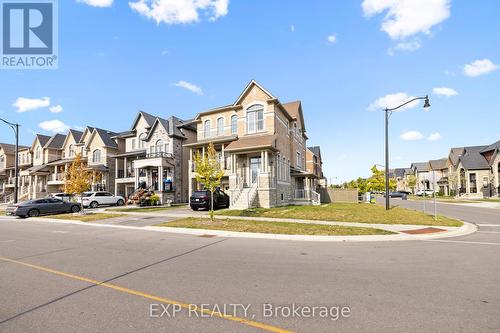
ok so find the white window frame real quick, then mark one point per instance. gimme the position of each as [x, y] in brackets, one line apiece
[94, 160]
[220, 129]
[254, 124]
[207, 125]
[234, 124]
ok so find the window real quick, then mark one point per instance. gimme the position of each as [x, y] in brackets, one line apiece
[255, 118]
[37, 153]
[206, 129]
[133, 144]
[142, 143]
[159, 146]
[298, 160]
[472, 183]
[96, 156]
[220, 126]
[234, 124]
[2, 159]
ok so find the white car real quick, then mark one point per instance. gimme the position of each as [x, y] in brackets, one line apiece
[427, 193]
[96, 199]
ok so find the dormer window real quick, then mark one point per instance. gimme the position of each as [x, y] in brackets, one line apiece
[255, 118]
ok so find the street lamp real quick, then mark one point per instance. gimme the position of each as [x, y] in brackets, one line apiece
[388, 112]
[15, 128]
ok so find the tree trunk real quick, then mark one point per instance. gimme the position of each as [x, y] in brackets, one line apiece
[212, 205]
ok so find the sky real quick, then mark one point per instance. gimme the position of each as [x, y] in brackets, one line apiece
[345, 60]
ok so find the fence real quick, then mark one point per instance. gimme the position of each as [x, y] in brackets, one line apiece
[338, 195]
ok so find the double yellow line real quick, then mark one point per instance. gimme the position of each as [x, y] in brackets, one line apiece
[243, 321]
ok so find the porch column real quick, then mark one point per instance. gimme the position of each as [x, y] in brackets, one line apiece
[116, 171]
[36, 186]
[160, 179]
[125, 167]
[136, 180]
[223, 158]
[266, 165]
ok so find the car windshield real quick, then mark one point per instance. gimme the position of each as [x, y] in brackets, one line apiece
[200, 193]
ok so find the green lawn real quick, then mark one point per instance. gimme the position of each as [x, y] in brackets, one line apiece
[269, 227]
[85, 217]
[347, 212]
[143, 209]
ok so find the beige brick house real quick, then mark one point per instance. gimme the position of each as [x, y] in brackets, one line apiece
[262, 147]
[154, 157]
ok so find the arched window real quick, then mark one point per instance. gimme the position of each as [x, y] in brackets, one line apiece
[142, 143]
[159, 146]
[2, 159]
[234, 124]
[37, 153]
[96, 156]
[206, 129]
[71, 151]
[220, 126]
[255, 118]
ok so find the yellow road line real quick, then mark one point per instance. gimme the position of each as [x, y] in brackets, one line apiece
[243, 321]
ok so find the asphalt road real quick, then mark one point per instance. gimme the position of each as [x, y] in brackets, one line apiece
[450, 285]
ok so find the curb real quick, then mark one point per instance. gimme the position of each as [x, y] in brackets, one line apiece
[466, 229]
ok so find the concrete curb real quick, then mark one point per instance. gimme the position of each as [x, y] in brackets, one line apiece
[466, 229]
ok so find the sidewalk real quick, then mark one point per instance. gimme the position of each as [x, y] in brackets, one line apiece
[403, 231]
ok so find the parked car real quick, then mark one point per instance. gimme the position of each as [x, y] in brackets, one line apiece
[62, 196]
[201, 199]
[398, 194]
[426, 192]
[46, 206]
[96, 199]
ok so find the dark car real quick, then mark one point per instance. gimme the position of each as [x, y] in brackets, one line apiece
[46, 206]
[201, 199]
[398, 194]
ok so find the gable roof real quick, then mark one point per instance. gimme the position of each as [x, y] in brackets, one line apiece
[248, 87]
[8, 148]
[472, 158]
[421, 166]
[454, 155]
[77, 136]
[315, 150]
[491, 147]
[439, 164]
[294, 109]
[56, 141]
[399, 172]
[148, 118]
[106, 137]
[43, 139]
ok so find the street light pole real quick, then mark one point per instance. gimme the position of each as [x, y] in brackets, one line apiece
[15, 128]
[388, 112]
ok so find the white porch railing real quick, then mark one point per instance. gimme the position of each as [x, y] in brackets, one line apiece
[314, 197]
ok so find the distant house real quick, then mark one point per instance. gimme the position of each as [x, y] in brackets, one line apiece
[439, 175]
[314, 165]
[473, 173]
[422, 171]
[492, 155]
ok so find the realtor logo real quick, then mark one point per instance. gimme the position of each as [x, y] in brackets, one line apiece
[29, 34]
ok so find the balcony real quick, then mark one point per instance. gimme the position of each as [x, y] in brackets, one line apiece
[159, 154]
[56, 179]
[122, 174]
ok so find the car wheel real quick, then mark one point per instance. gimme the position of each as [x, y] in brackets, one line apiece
[75, 209]
[94, 204]
[120, 202]
[34, 213]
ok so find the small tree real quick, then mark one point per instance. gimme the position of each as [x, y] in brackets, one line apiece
[411, 181]
[78, 178]
[377, 181]
[209, 172]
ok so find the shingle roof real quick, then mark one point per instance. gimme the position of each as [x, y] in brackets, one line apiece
[43, 139]
[399, 172]
[454, 155]
[408, 171]
[473, 160]
[315, 150]
[292, 108]
[251, 142]
[439, 164]
[77, 135]
[149, 118]
[421, 166]
[106, 137]
[8, 148]
[55, 142]
[491, 147]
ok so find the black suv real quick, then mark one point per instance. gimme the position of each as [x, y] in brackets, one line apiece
[201, 199]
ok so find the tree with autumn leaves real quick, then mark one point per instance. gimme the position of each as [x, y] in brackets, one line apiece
[78, 178]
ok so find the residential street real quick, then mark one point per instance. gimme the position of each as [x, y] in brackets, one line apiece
[450, 285]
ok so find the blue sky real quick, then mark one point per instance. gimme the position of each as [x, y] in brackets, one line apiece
[338, 57]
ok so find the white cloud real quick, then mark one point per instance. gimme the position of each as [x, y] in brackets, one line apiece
[54, 126]
[393, 100]
[30, 104]
[434, 136]
[406, 18]
[164, 52]
[480, 67]
[97, 3]
[180, 11]
[292, 28]
[444, 91]
[56, 109]
[189, 86]
[411, 136]
[332, 38]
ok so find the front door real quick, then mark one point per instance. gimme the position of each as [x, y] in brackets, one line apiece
[254, 169]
